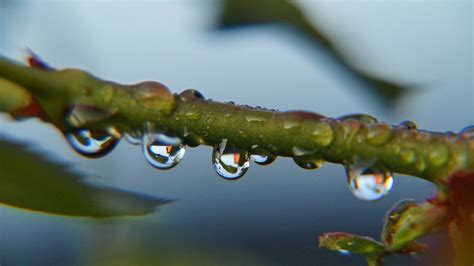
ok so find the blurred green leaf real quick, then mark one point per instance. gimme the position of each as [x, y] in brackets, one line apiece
[238, 13]
[29, 181]
[339, 241]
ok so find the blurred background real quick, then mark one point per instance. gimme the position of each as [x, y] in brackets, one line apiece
[274, 214]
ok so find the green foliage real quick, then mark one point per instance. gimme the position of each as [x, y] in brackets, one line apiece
[238, 13]
[353, 243]
[29, 181]
[298, 134]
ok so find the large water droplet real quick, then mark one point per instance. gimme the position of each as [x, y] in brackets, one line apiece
[81, 114]
[162, 151]
[367, 182]
[467, 133]
[91, 143]
[360, 118]
[229, 161]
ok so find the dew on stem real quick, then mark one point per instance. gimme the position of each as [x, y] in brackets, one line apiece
[262, 159]
[91, 143]
[368, 119]
[407, 124]
[230, 162]
[366, 181]
[161, 151]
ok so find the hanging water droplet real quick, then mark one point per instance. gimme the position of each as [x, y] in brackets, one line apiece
[190, 95]
[134, 137]
[308, 164]
[467, 133]
[91, 143]
[162, 151]
[80, 114]
[344, 252]
[229, 161]
[409, 125]
[360, 118]
[367, 182]
[262, 159]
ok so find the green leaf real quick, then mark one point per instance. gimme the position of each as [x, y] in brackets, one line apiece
[238, 13]
[392, 218]
[339, 241]
[414, 221]
[29, 181]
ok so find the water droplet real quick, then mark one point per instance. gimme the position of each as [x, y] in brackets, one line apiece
[252, 118]
[409, 125]
[438, 156]
[262, 159]
[81, 114]
[299, 151]
[134, 137]
[420, 165]
[378, 134]
[162, 151]
[229, 161]
[308, 163]
[91, 143]
[367, 182]
[407, 155]
[290, 124]
[360, 118]
[294, 119]
[153, 95]
[190, 95]
[344, 252]
[467, 133]
[323, 134]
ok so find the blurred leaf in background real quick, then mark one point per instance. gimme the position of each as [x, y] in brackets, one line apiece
[239, 13]
[29, 181]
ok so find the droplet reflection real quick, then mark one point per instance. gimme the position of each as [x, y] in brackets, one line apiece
[367, 182]
[161, 151]
[262, 159]
[229, 161]
[92, 144]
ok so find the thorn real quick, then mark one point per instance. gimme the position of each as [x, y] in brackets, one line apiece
[34, 61]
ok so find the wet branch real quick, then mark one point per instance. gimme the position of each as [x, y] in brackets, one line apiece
[308, 138]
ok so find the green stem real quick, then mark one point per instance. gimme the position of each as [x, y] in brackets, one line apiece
[302, 135]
